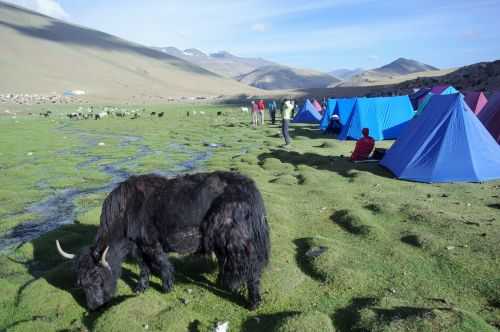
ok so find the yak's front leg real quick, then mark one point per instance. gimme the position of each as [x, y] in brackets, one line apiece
[159, 259]
[143, 282]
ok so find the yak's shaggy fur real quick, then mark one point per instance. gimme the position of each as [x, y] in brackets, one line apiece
[148, 216]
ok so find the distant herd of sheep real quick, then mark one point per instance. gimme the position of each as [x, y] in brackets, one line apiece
[107, 112]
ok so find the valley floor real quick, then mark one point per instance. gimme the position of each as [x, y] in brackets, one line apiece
[353, 249]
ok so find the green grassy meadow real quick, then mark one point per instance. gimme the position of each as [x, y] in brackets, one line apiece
[353, 249]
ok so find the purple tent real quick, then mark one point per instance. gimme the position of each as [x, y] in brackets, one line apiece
[490, 116]
[438, 89]
[417, 97]
[475, 100]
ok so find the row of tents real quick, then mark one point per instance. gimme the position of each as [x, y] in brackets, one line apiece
[385, 116]
[453, 137]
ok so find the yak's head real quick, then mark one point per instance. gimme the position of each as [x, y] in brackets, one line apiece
[94, 275]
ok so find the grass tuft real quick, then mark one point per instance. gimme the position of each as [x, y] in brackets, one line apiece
[352, 222]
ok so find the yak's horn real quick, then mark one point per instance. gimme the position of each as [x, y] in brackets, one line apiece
[62, 252]
[103, 258]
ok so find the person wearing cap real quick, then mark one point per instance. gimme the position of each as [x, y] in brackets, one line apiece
[364, 146]
[334, 126]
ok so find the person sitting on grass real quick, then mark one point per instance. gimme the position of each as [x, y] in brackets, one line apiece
[334, 126]
[364, 146]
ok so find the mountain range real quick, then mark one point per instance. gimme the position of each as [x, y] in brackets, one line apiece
[395, 70]
[256, 72]
[222, 63]
[346, 74]
[278, 77]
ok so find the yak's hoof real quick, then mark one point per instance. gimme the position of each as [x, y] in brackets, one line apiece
[167, 286]
[253, 305]
[140, 288]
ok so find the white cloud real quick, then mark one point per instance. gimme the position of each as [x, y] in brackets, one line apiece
[259, 27]
[47, 7]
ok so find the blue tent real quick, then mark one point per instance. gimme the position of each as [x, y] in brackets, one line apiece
[386, 117]
[325, 120]
[307, 114]
[344, 109]
[446, 143]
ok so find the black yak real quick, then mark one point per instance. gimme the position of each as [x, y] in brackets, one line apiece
[148, 216]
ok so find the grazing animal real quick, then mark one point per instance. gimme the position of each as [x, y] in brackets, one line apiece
[244, 109]
[153, 113]
[148, 216]
[161, 114]
[219, 113]
[101, 115]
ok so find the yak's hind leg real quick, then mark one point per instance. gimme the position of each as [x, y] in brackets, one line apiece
[238, 234]
[158, 259]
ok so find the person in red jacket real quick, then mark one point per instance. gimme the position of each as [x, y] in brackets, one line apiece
[262, 107]
[364, 146]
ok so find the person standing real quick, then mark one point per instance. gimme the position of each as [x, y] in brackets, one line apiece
[286, 113]
[262, 107]
[255, 114]
[272, 110]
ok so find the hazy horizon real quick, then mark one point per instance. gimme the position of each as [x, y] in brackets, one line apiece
[321, 35]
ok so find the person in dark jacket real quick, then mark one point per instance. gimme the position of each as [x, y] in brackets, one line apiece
[272, 110]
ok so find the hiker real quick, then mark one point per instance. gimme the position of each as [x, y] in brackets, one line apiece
[272, 110]
[334, 125]
[255, 113]
[262, 107]
[364, 146]
[286, 114]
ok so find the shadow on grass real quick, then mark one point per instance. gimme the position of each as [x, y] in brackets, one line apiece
[311, 131]
[349, 318]
[343, 167]
[494, 206]
[268, 322]
[190, 269]
[304, 262]
[346, 318]
[350, 222]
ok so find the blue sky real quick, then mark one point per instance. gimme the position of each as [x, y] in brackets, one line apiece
[315, 34]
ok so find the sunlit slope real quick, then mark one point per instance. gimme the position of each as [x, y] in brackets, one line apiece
[40, 54]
